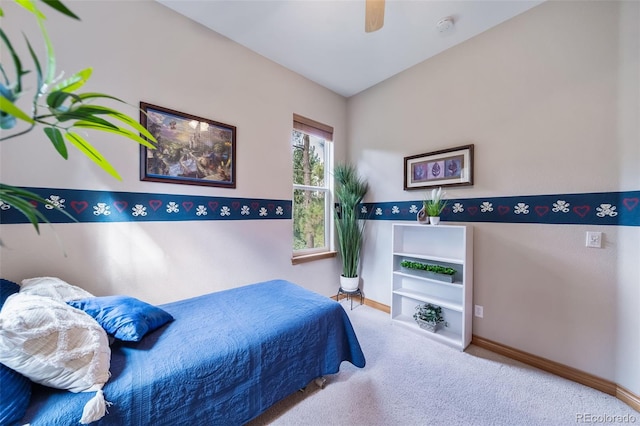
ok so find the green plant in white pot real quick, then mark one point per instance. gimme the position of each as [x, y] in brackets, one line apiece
[350, 190]
[433, 207]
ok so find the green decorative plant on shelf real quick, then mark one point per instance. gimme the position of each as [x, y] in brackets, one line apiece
[434, 206]
[57, 107]
[436, 269]
[429, 316]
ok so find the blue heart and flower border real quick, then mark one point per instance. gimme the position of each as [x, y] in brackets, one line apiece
[601, 208]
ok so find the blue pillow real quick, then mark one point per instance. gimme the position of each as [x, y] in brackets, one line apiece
[15, 389]
[124, 317]
[7, 288]
[15, 393]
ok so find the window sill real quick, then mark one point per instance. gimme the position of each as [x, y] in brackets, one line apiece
[295, 260]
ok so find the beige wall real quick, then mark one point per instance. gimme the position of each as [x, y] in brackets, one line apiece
[143, 51]
[551, 101]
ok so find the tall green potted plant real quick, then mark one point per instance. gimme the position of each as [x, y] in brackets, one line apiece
[350, 190]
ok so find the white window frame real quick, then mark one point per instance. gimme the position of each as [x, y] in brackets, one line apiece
[329, 246]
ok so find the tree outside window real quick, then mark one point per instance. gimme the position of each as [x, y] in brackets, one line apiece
[311, 195]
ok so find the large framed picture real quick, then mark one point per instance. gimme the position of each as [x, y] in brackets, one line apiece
[447, 167]
[191, 150]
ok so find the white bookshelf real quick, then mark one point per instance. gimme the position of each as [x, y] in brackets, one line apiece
[447, 245]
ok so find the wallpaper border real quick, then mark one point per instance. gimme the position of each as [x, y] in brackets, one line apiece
[108, 206]
[600, 208]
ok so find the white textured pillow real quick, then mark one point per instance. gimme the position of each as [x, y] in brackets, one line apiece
[54, 288]
[53, 343]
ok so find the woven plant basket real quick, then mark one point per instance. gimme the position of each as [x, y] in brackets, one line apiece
[429, 326]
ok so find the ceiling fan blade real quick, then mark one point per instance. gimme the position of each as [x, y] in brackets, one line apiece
[373, 15]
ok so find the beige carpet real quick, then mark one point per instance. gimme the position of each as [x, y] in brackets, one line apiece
[412, 380]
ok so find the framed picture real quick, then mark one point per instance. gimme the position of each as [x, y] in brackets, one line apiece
[447, 167]
[191, 150]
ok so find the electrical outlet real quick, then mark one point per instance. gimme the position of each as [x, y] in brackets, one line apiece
[479, 311]
[594, 239]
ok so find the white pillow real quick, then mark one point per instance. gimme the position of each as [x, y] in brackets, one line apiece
[56, 345]
[54, 288]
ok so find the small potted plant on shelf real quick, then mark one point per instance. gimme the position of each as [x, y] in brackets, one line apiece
[433, 207]
[429, 316]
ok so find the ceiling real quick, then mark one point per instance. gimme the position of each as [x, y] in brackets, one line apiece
[325, 41]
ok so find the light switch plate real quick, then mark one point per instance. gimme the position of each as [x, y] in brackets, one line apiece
[594, 239]
[479, 311]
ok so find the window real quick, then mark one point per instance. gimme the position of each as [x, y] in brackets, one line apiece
[311, 144]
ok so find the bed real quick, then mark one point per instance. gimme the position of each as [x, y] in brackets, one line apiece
[225, 359]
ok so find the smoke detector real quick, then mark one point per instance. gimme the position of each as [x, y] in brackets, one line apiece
[445, 25]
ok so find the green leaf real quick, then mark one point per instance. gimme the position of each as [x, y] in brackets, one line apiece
[31, 7]
[18, 199]
[137, 126]
[112, 113]
[57, 98]
[125, 119]
[20, 192]
[75, 115]
[117, 130]
[86, 109]
[84, 96]
[16, 61]
[51, 57]
[88, 150]
[27, 209]
[8, 107]
[36, 61]
[74, 82]
[55, 136]
[57, 5]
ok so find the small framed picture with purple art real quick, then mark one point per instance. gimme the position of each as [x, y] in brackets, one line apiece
[446, 167]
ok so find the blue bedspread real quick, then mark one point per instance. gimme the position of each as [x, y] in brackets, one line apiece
[226, 358]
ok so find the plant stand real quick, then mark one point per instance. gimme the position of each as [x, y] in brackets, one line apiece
[350, 295]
